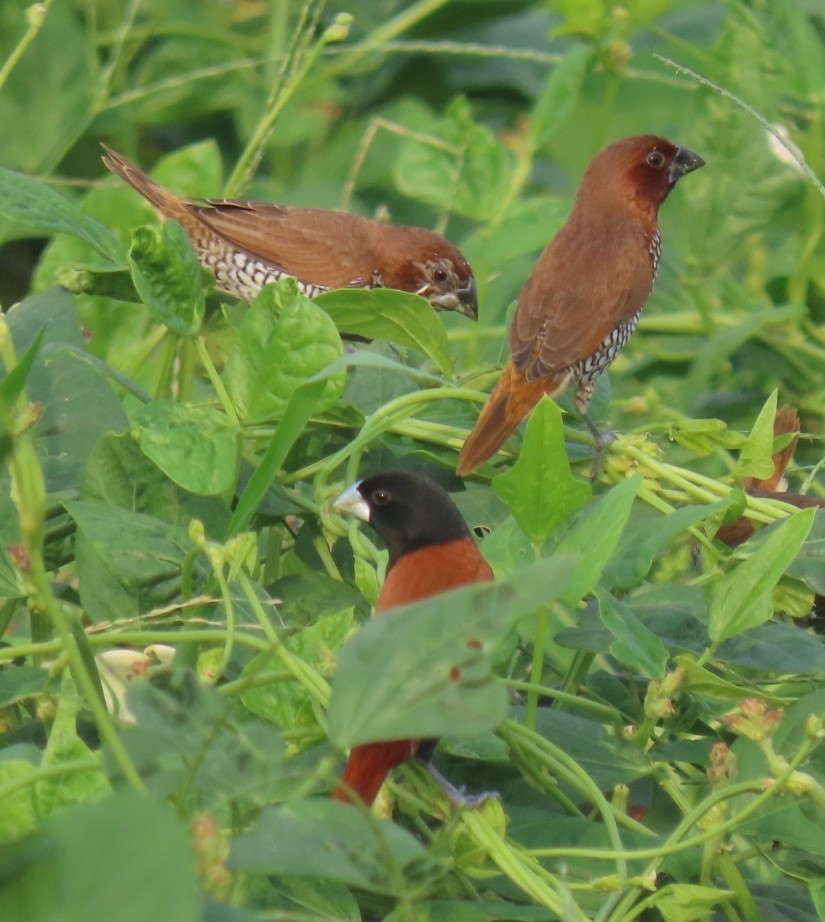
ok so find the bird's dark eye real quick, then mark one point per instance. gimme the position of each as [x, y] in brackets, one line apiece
[439, 274]
[656, 159]
[380, 497]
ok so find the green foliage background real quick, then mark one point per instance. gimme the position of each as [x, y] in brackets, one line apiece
[169, 457]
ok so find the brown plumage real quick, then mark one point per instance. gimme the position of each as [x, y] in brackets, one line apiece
[582, 300]
[247, 244]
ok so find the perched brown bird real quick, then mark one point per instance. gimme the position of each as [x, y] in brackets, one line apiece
[247, 244]
[431, 550]
[583, 299]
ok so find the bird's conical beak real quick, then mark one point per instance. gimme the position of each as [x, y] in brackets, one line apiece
[468, 300]
[462, 300]
[685, 161]
[351, 501]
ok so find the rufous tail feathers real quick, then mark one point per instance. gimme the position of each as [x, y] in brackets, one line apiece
[513, 398]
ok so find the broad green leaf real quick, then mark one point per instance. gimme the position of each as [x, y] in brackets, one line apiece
[42, 210]
[756, 455]
[50, 95]
[78, 404]
[560, 94]
[194, 170]
[424, 670]
[19, 814]
[127, 562]
[464, 167]
[283, 341]
[21, 681]
[742, 598]
[119, 474]
[634, 644]
[647, 534]
[94, 861]
[396, 316]
[287, 704]
[608, 759]
[167, 276]
[539, 489]
[190, 744]
[333, 841]
[196, 447]
[706, 684]
[594, 536]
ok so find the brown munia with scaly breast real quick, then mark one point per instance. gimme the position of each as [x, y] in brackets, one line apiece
[583, 299]
[248, 244]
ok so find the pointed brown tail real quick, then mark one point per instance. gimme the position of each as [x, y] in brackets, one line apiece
[513, 398]
[165, 201]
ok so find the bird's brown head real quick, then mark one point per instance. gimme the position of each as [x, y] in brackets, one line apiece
[408, 511]
[427, 264]
[640, 170]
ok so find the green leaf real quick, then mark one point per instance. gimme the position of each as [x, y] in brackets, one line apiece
[742, 598]
[560, 94]
[608, 759]
[756, 455]
[396, 316]
[424, 670]
[329, 840]
[287, 704]
[283, 341]
[302, 404]
[167, 276]
[634, 644]
[539, 489]
[52, 92]
[78, 405]
[20, 682]
[647, 534]
[189, 744]
[594, 536]
[102, 855]
[196, 447]
[127, 562]
[464, 165]
[42, 210]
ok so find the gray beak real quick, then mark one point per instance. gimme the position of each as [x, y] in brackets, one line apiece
[352, 502]
[462, 301]
[685, 161]
[468, 300]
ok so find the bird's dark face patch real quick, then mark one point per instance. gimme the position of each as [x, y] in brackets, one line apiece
[411, 512]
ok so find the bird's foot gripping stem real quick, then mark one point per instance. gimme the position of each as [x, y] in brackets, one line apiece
[457, 797]
[600, 442]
